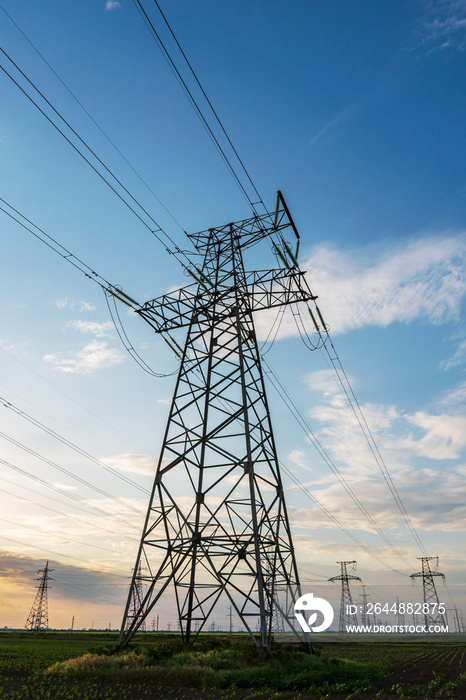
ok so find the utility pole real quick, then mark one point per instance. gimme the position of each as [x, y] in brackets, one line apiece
[38, 618]
[231, 540]
[431, 601]
[72, 623]
[346, 616]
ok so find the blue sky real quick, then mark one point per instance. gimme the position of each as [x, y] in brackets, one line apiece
[356, 112]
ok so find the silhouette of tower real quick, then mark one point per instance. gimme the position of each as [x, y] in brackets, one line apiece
[346, 617]
[364, 597]
[229, 536]
[432, 616]
[38, 618]
[137, 593]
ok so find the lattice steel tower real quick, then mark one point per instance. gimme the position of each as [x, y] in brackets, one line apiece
[217, 526]
[38, 618]
[431, 601]
[137, 591]
[346, 618]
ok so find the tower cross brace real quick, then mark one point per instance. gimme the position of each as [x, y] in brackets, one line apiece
[217, 526]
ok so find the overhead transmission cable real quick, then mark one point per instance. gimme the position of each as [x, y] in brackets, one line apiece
[94, 415]
[158, 232]
[102, 131]
[35, 547]
[158, 229]
[107, 287]
[302, 421]
[335, 520]
[369, 437]
[334, 362]
[67, 494]
[52, 433]
[72, 516]
[166, 54]
[61, 469]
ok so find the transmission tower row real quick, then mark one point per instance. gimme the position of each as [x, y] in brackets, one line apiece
[432, 615]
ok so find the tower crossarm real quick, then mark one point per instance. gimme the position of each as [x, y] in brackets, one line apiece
[266, 289]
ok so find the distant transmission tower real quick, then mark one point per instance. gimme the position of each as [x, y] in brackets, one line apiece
[137, 596]
[346, 617]
[431, 601]
[39, 616]
[364, 597]
[229, 537]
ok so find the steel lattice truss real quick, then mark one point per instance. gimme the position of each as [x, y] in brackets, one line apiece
[433, 616]
[217, 524]
[38, 618]
[346, 603]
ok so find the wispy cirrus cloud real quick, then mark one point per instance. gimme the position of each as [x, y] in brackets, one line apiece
[325, 133]
[92, 357]
[443, 26]
[112, 5]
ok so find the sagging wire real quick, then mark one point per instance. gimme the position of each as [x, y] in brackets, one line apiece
[123, 336]
[277, 325]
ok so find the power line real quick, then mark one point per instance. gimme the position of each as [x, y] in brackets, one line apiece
[214, 112]
[102, 131]
[149, 24]
[60, 512]
[71, 496]
[302, 421]
[176, 252]
[8, 405]
[32, 452]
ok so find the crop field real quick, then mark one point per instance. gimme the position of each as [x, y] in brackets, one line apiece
[83, 665]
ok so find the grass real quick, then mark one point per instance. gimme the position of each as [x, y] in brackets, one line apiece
[222, 664]
[65, 666]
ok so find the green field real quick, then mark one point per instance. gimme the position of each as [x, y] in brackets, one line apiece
[59, 665]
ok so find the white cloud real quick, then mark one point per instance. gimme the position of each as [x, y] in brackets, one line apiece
[454, 397]
[458, 358]
[424, 280]
[299, 458]
[96, 355]
[67, 303]
[87, 306]
[64, 303]
[112, 5]
[444, 436]
[100, 330]
[132, 463]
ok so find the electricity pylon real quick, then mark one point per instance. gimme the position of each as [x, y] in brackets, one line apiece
[38, 618]
[432, 616]
[137, 598]
[346, 617]
[217, 524]
[364, 597]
